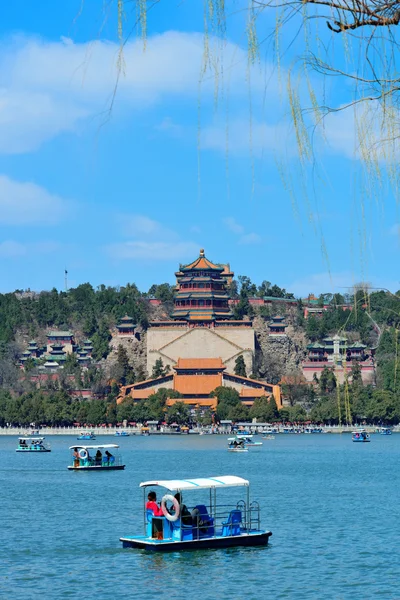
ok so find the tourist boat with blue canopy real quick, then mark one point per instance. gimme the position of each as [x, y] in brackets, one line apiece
[360, 435]
[32, 444]
[87, 435]
[209, 524]
[123, 433]
[105, 457]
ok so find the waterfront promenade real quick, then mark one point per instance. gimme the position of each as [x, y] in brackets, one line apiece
[165, 430]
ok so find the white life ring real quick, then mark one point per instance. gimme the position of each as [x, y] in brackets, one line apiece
[164, 509]
[83, 453]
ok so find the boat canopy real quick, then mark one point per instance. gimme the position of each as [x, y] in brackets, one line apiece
[197, 484]
[32, 437]
[94, 447]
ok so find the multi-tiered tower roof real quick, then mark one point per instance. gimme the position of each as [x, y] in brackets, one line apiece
[202, 291]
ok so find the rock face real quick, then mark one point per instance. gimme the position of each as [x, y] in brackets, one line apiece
[277, 356]
[135, 347]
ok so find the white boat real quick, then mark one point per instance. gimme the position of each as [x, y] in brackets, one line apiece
[207, 525]
[32, 444]
[248, 439]
[360, 435]
[235, 445]
[385, 431]
[105, 457]
[268, 437]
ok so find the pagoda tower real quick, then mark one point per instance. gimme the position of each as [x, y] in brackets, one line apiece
[202, 293]
[201, 325]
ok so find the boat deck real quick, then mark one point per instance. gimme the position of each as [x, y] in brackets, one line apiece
[254, 538]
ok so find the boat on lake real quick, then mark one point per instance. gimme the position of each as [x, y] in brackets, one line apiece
[122, 433]
[235, 445]
[268, 437]
[248, 439]
[87, 435]
[385, 431]
[32, 444]
[360, 435]
[105, 457]
[313, 430]
[207, 525]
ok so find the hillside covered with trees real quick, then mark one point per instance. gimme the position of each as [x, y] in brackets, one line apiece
[374, 320]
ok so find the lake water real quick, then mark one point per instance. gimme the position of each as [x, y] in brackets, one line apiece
[332, 505]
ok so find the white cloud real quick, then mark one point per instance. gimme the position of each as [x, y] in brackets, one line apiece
[12, 249]
[238, 138]
[28, 204]
[238, 229]
[233, 225]
[141, 226]
[50, 87]
[152, 250]
[250, 238]
[152, 240]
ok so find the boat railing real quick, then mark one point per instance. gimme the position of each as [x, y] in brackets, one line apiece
[92, 461]
[230, 518]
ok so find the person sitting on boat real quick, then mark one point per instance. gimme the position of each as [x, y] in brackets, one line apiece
[76, 457]
[98, 457]
[151, 504]
[109, 457]
[185, 514]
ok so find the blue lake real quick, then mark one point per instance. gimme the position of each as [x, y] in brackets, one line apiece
[332, 506]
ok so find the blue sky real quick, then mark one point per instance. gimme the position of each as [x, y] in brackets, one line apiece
[126, 196]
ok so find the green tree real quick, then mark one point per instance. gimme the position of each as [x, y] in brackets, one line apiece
[178, 413]
[158, 369]
[228, 398]
[240, 366]
[264, 410]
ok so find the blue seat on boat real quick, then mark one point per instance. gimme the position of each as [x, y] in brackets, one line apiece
[180, 531]
[203, 524]
[149, 522]
[232, 525]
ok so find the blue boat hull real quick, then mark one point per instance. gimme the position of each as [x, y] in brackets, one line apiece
[97, 468]
[258, 538]
[33, 450]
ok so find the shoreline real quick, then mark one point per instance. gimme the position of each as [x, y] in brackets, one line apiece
[134, 431]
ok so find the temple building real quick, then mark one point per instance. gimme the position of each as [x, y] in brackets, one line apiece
[201, 324]
[61, 338]
[336, 352]
[87, 346]
[277, 327]
[196, 379]
[126, 327]
[202, 294]
[83, 358]
[57, 354]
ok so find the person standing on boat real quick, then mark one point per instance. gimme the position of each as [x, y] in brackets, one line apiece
[151, 504]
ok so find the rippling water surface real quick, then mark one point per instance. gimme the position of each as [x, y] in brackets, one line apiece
[332, 505]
